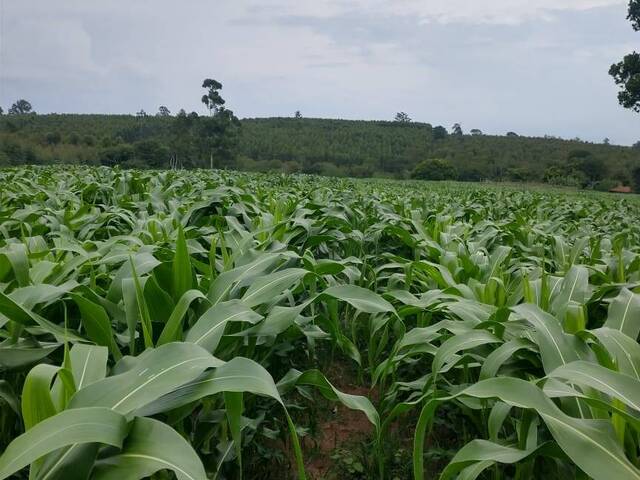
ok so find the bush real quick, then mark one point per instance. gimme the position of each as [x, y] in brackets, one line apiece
[434, 169]
[151, 153]
[330, 170]
[519, 174]
[606, 185]
[361, 171]
[113, 156]
[471, 174]
[592, 167]
[291, 167]
[563, 176]
[635, 174]
[53, 138]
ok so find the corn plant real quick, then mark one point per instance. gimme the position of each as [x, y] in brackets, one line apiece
[179, 322]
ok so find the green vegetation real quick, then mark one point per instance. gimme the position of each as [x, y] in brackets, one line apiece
[339, 148]
[626, 73]
[212, 324]
[435, 169]
[327, 147]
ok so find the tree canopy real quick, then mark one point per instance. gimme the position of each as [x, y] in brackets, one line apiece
[626, 73]
[21, 107]
[402, 117]
[434, 169]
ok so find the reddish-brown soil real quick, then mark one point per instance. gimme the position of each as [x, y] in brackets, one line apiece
[341, 428]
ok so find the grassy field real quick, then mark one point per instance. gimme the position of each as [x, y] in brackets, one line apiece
[223, 325]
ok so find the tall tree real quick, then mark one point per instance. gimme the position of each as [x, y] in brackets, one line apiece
[626, 73]
[402, 117]
[182, 139]
[163, 111]
[212, 99]
[456, 129]
[634, 14]
[440, 133]
[21, 107]
[219, 131]
[297, 114]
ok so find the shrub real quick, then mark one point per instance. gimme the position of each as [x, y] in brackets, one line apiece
[53, 138]
[434, 169]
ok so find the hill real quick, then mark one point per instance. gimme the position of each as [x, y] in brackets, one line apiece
[330, 147]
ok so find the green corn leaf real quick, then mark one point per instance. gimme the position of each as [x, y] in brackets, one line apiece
[82, 425]
[182, 274]
[624, 313]
[360, 298]
[25, 353]
[614, 384]
[97, 324]
[209, 328]
[575, 287]
[226, 281]
[7, 394]
[500, 355]
[172, 330]
[37, 404]
[151, 446]
[233, 403]
[17, 255]
[26, 317]
[556, 347]
[591, 444]
[488, 453]
[277, 321]
[238, 375]
[141, 264]
[465, 341]
[625, 350]
[155, 373]
[267, 288]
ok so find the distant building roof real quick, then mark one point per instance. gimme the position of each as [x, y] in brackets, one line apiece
[621, 189]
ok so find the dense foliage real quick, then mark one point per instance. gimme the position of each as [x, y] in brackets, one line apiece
[434, 169]
[329, 147]
[626, 73]
[187, 321]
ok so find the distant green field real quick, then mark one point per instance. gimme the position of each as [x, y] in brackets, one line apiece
[199, 324]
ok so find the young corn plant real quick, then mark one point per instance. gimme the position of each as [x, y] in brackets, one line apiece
[175, 324]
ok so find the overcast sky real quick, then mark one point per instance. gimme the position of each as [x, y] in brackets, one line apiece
[532, 66]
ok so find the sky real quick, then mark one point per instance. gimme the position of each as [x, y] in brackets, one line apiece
[534, 67]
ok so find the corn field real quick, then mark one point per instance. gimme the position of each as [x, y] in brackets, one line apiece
[188, 324]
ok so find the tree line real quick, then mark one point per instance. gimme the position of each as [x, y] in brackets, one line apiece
[308, 145]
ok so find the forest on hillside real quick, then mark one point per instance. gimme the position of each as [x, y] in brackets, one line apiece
[320, 146]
